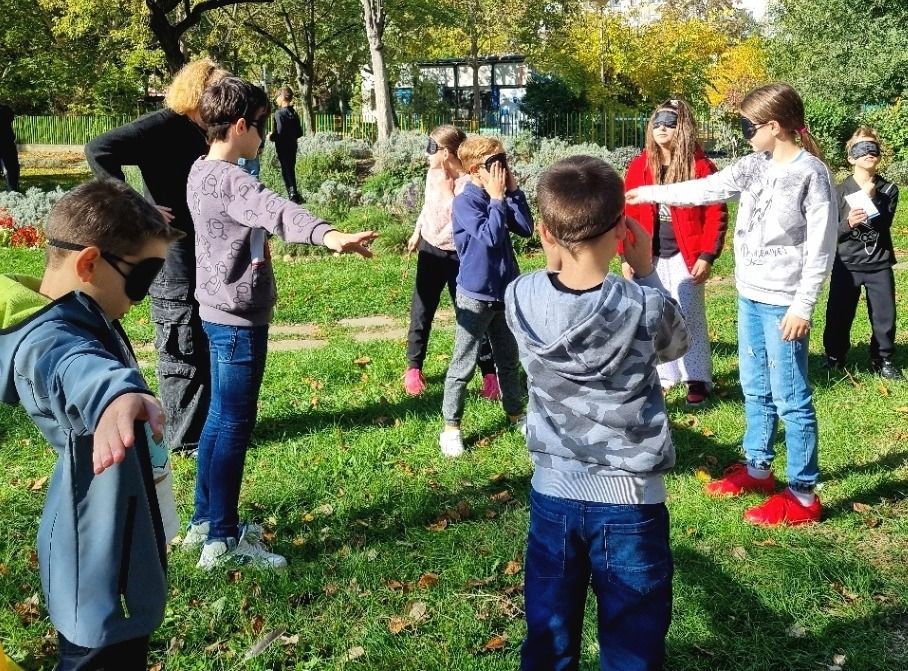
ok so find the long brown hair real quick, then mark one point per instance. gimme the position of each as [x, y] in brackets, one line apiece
[684, 147]
[448, 136]
[779, 102]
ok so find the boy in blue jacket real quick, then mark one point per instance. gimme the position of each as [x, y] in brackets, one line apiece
[484, 214]
[65, 358]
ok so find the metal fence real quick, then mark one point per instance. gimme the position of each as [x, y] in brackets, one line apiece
[612, 128]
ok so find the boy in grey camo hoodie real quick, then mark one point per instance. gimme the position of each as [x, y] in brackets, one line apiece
[597, 429]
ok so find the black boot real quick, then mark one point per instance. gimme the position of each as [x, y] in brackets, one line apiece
[887, 369]
[295, 196]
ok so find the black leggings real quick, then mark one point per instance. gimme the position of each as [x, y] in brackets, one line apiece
[286, 156]
[844, 294]
[435, 269]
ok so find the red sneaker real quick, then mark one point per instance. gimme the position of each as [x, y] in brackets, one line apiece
[414, 382]
[784, 508]
[490, 390]
[697, 393]
[737, 481]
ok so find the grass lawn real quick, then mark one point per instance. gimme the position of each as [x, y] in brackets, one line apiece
[400, 559]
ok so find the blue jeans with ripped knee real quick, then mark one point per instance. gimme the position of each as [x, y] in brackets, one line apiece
[774, 381]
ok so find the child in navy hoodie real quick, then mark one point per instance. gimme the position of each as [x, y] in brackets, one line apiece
[484, 213]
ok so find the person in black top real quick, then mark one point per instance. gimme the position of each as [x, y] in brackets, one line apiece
[287, 130]
[9, 155]
[164, 145]
[865, 258]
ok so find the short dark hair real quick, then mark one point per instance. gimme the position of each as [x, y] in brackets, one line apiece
[227, 101]
[580, 198]
[107, 214]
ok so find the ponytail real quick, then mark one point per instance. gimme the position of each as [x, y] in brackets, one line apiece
[809, 143]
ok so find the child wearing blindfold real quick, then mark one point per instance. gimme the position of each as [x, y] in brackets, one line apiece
[864, 258]
[232, 213]
[102, 538]
[485, 213]
[784, 244]
[436, 262]
[686, 240]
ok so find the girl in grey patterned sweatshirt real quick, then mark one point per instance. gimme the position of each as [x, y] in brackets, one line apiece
[784, 242]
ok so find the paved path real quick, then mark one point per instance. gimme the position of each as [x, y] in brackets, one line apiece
[296, 337]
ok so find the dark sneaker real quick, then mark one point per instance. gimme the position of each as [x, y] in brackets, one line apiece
[697, 393]
[885, 368]
[833, 363]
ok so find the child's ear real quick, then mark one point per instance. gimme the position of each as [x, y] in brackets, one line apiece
[621, 230]
[241, 126]
[86, 264]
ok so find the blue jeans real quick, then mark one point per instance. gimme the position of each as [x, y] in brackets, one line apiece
[774, 382]
[237, 366]
[624, 550]
[131, 655]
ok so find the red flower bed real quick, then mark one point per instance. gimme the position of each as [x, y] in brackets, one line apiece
[19, 236]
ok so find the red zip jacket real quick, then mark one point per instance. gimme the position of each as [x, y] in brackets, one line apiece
[700, 230]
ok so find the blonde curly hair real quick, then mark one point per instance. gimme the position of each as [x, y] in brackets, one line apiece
[185, 91]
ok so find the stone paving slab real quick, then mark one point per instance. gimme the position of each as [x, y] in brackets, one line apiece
[373, 322]
[383, 334]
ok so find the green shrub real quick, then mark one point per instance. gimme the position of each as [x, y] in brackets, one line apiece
[832, 123]
[313, 169]
[891, 122]
[897, 172]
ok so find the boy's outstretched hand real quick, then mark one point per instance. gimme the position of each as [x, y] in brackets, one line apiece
[115, 432]
[350, 243]
[633, 197]
[638, 248]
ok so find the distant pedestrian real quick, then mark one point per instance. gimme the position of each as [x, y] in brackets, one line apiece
[9, 154]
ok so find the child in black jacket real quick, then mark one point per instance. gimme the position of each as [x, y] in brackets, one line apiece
[865, 257]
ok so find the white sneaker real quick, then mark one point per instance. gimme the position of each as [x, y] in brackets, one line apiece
[240, 553]
[451, 443]
[197, 534]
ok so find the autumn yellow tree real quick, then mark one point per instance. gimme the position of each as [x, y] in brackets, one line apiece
[738, 69]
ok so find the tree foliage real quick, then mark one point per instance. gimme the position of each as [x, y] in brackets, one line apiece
[850, 51]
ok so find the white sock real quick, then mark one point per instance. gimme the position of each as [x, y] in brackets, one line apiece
[758, 473]
[806, 498]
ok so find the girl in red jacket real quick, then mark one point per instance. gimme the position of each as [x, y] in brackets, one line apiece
[686, 240]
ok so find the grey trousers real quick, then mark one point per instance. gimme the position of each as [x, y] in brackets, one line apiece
[184, 367]
[474, 319]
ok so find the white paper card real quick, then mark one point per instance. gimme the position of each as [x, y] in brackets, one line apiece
[860, 200]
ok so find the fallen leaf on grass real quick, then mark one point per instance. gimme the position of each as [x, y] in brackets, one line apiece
[739, 553]
[702, 475]
[262, 644]
[498, 477]
[796, 631]
[480, 582]
[156, 667]
[290, 640]
[862, 508]
[427, 580]
[709, 433]
[354, 653]
[235, 576]
[38, 484]
[766, 543]
[28, 610]
[418, 611]
[884, 390]
[256, 624]
[438, 525]
[512, 568]
[495, 643]
[397, 624]
[362, 361]
[846, 593]
[215, 647]
[903, 408]
[501, 497]
[490, 514]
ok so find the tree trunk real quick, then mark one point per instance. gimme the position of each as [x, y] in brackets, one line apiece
[374, 15]
[168, 37]
[304, 85]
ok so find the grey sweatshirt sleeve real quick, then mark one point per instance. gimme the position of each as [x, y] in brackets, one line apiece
[665, 321]
[715, 188]
[247, 201]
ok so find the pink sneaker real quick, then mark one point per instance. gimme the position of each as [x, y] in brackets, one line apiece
[414, 382]
[490, 390]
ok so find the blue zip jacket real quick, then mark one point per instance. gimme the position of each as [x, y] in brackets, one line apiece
[101, 549]
[482, 228]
